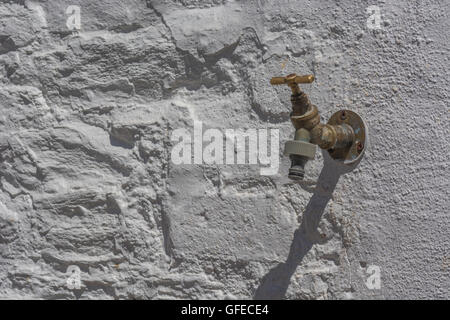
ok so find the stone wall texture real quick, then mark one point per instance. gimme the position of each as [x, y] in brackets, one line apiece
[87, 181]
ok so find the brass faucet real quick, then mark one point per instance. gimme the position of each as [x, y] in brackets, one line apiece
[344, 136]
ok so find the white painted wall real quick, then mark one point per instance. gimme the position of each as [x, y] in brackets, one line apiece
[87, 181]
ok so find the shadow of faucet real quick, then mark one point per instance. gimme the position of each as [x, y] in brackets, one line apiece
[275, 283]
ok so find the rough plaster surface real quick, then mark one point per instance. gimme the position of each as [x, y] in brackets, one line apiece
[85, 171]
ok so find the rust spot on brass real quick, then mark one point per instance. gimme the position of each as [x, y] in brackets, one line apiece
[359, 146]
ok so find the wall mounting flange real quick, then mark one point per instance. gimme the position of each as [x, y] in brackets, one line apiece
[352, 153]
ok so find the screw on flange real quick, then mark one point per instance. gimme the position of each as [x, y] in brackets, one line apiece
[343, 115]
[359, 146]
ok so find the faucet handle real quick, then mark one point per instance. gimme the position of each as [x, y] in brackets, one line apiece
[292, 79]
